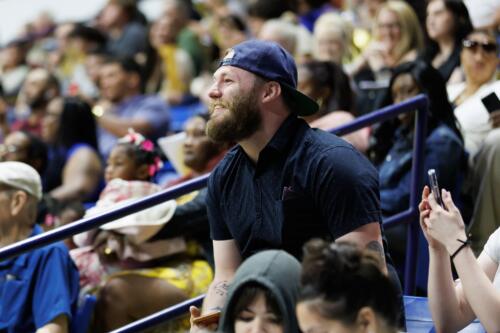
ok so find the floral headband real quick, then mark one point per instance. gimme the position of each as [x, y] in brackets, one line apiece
[144, 144]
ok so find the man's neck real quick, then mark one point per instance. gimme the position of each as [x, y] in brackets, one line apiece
[13, 234]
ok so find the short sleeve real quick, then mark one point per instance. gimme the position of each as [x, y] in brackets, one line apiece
[56, 287]
[492, 247]
[218, 226]
[156, 112]
[346, 187]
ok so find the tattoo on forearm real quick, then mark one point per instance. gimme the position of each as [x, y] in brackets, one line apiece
[220, 289]
[376, 247]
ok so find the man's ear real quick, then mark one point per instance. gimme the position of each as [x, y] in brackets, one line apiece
[18, 202]
[270, 91]
[366, 320]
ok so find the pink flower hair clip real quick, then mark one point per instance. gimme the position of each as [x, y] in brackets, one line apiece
[155, 167]
[147, 145]
[132, 137]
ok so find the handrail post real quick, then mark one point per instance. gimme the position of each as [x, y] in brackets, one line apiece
[417, 173]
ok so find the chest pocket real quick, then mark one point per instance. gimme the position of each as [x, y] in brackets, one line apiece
[301, 222]
[11, 294]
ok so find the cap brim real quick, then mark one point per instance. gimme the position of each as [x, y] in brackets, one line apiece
[304, 106]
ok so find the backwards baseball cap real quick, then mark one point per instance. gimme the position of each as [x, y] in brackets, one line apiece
[270, 61]
[21, 176]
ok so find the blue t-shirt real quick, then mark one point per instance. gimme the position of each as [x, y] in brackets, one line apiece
[36, 287]
[307, 183]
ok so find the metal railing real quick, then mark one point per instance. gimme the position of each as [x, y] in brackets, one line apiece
[417, 104]
[410, 216]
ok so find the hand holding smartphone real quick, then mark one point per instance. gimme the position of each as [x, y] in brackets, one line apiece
[491, 102]
[436, 192]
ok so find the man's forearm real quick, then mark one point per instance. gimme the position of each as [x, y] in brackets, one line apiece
[216, 296]
[58, 325]
[119, 126]
[378, 248]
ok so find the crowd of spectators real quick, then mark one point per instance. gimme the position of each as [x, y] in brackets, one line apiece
[86, 105]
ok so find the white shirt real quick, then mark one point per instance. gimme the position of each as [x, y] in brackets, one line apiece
[492, 249]
[472, 115]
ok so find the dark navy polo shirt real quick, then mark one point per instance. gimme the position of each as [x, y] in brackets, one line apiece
[36, 287]
[307, 183]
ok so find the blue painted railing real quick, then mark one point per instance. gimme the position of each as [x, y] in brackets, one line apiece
[161, 316]
[410, 216]
[96, 221]
[417, 104]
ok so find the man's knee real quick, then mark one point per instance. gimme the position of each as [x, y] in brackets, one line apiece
[114, 291]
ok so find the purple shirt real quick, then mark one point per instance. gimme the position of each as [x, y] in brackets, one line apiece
[151, 108]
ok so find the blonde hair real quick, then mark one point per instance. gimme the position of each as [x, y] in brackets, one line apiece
[412, 37]
[333, 23]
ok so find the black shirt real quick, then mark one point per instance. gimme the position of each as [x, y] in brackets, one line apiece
[307, 183]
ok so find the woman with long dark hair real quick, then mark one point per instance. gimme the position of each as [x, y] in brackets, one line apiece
[75, 170]
[447, 23]
[392, 148]
[393, 141]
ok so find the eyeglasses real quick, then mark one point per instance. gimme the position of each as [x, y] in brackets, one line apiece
[473, 45]
[6, 149]
[389, 26]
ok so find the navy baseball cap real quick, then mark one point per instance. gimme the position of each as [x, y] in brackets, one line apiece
[270, 61]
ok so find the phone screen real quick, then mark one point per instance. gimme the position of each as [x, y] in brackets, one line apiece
[435, 186]
[491, 102]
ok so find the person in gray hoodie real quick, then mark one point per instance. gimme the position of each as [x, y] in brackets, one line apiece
[264, 292]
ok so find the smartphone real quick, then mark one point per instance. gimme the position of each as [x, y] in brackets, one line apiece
[435, 187]
[491, 102]
[207, 319]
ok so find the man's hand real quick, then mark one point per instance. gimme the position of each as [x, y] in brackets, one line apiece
[195, 313]
[227, 259]
[101, 107]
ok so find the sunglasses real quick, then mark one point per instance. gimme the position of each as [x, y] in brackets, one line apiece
[488, 47]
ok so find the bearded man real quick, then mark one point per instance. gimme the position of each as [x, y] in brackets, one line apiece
[284, 183]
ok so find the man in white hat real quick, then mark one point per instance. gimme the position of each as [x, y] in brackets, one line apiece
[38, 289]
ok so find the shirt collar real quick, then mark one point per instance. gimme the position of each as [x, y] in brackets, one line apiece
[286, 134]
[21, 259]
